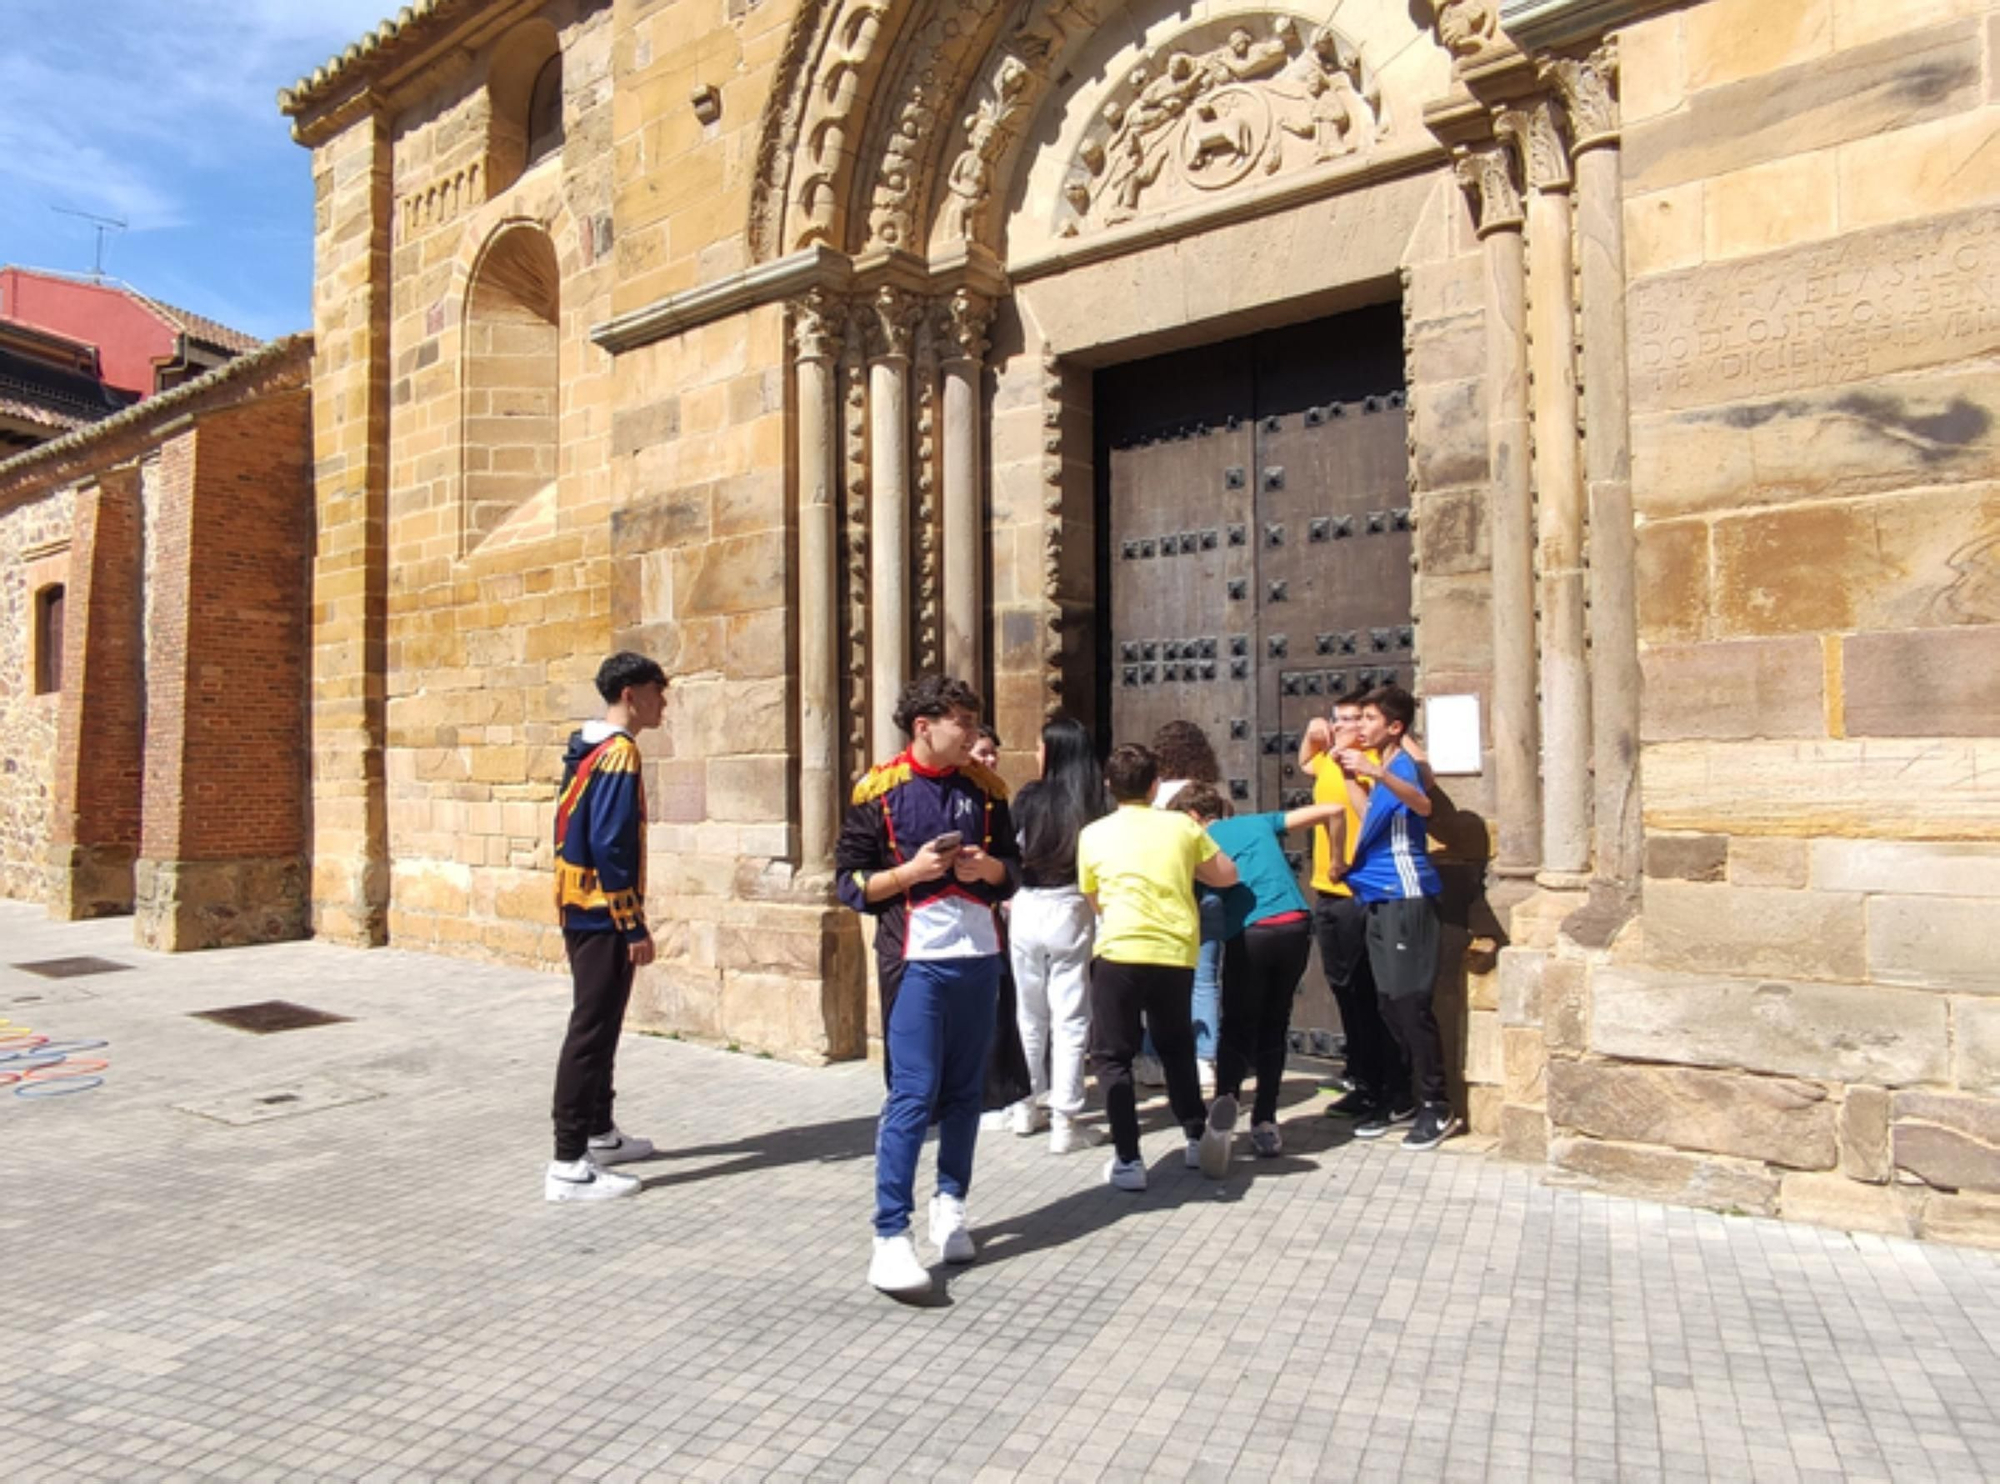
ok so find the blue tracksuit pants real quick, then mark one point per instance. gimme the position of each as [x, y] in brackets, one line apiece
[937, 1038]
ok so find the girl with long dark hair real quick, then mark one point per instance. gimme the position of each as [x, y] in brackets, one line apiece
[1054, 928]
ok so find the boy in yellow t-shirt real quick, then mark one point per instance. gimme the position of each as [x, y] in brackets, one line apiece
[1376, 1065]
[1137, 867]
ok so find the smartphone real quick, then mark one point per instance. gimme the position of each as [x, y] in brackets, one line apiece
[949, 841]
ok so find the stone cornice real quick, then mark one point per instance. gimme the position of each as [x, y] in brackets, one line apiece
[816, 267]
[1538, 25]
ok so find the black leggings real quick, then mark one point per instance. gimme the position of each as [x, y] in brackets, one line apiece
[1261, 968]
[1119, 995]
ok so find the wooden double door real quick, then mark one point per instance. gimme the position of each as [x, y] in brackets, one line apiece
[1256, 528]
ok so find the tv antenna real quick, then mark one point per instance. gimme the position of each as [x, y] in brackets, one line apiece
[103, 224]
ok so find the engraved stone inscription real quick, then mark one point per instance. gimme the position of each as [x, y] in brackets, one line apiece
[1829, 315]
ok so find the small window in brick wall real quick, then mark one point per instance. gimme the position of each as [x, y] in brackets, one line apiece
[48, 639]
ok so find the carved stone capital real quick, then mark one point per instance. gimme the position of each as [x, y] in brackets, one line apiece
[1535, 133]
[891, 320]
[1589, 88]
[1487, 176]
[965, 319]
[819, 323]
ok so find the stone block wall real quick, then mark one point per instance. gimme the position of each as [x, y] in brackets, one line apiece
[496, 595]
[1800, 1021]
[35, 539]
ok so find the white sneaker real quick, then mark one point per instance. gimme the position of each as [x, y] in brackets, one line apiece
[1125, 1174]
[1267, 1141]
[894, 1267]
[948, 1234]
[1191, 1156]
[617, 1148]
[993, 1120]
[582, 1180]
[1067, 1135]
[1214, 1144]
[1205, 1073]
[1147, 1071]
[1026, 1118]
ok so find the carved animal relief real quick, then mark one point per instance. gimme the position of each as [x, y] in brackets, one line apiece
[1193, 118]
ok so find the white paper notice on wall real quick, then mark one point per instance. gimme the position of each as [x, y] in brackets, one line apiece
[1451, 733]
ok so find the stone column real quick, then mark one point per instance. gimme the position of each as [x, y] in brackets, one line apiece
[967, 316]
[1489, 175]
[816, 326]
[1589, 92]
[1534, 130]
[891, 327]
[350, 564]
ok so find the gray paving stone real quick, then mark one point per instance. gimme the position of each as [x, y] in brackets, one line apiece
[376, 1290]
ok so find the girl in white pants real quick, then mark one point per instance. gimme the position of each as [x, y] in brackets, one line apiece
[1052, 930]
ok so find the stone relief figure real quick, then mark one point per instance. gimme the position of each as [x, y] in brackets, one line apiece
[1467, 28]
[1201, 119]
[987, 131]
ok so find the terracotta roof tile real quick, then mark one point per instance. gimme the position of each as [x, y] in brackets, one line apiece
[414, 23]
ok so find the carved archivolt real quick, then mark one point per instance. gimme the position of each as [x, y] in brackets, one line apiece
[904, 119]
[1203, 113]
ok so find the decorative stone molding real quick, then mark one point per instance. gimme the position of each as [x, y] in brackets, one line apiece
[1534, 132]
[443, 200]
[927, 523]
[1542, 24]
[1589, 88]
[1468, 29]
[854, 521]
[1052, 532]
[1487, 176]
[1191, 120]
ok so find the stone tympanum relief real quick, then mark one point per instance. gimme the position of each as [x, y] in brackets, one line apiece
[1218, 105]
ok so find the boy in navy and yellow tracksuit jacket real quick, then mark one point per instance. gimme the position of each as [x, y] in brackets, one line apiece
[928, 850]
[600, 866]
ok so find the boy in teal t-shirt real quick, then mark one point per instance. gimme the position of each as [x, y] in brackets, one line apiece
[1269, 939]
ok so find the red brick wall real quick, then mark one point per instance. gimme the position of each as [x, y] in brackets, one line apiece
[226, 736]
[97, 772]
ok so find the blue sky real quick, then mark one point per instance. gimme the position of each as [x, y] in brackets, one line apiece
[163, 113]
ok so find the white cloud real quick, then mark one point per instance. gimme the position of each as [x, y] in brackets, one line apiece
[104, 115]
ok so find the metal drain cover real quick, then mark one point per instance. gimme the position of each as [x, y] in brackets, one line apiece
[268, 1017]
[71, 968]
[306, 1095]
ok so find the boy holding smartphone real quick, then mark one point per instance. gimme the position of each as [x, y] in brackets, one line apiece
[928, 850]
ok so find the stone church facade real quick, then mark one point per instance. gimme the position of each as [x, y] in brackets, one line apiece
[1631, 359]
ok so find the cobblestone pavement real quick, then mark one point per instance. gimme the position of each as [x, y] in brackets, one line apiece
[341, 1265]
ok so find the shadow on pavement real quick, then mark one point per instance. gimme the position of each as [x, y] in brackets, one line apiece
[818, 1143]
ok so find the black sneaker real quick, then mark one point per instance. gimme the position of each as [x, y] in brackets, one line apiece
[1357, 1104]
[1373, 1124]
[1434, 1124]
[1336, 1083]
[1403, 1112]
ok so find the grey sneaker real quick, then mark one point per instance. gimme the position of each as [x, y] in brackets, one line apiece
[1267, 1141]
[1214, 1148]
